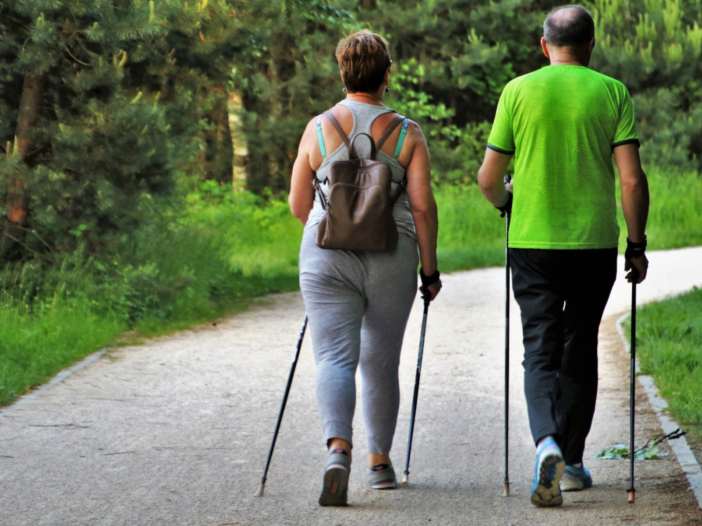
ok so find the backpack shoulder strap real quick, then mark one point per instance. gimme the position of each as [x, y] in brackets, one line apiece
[319, 136]
[401, 187]
[401, 140]
[329, 115]
[391, 128]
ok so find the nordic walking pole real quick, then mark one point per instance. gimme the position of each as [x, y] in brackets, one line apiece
[259, 492]
[505, 486]
[405, 475]
[631, 497]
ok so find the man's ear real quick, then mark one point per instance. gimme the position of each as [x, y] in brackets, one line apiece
[592, 44]
[544, 47]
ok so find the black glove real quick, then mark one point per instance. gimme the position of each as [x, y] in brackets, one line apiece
[428, 280]
[507, 207]
[635, 250]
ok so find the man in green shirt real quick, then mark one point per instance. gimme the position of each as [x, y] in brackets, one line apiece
[562, 124]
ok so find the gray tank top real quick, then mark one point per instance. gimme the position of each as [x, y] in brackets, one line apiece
[363, 117]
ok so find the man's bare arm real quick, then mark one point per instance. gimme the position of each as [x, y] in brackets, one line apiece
[491, 177]
[635, 201]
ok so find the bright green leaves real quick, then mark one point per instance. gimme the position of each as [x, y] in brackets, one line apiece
[621, 452]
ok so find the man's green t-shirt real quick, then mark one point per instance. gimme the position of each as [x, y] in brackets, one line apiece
[562, 124]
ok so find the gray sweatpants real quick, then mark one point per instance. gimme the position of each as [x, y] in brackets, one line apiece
[358, 304]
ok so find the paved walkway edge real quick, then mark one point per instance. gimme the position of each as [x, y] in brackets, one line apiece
[684, 454]
[60, 377]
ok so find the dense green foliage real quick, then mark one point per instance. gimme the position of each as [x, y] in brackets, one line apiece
[452, 59]
[134, 92]
[121, 95]
[669, 347]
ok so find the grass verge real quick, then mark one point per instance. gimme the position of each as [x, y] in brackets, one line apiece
[669, 348]
[35, 346]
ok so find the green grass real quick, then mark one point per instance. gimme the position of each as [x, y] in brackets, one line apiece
[223, 250]
[471, 232]
[669, 347]
[34, 346]
[675, 216]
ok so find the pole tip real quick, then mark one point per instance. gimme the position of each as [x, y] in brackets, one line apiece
[405, 480]
[631, 496]
[505, 489]
[259, 492]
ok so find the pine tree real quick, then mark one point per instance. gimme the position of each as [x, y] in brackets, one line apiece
[655, 48]
[102, 102]
[288, 75]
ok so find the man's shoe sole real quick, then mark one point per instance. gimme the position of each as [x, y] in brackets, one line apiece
[547, 492]
[335, 486]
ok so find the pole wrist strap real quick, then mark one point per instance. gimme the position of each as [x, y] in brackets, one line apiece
[428, 280]
[635, 250]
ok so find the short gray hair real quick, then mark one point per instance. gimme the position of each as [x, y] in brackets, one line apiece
[569, 25]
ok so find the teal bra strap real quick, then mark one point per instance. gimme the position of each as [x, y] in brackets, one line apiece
[401, 140]
[319, 136]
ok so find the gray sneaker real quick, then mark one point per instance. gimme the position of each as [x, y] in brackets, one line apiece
[381, 476]
[336, 479]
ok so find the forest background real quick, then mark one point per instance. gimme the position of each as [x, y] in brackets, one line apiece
[146, 146]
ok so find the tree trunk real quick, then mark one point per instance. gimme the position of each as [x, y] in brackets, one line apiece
[27, 119]
[370, 4]
[240, 146]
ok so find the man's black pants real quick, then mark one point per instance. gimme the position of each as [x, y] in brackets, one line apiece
[562, 295]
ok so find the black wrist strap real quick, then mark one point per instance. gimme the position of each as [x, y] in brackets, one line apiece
[635, 250]
[507, 207]
[429, 280]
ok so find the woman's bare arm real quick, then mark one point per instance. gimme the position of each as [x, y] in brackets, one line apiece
[301, 197]
[422, 202]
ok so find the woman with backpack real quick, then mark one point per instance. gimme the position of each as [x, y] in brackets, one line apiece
[358, 259]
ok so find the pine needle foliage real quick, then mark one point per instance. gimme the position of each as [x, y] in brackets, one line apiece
[127, 85]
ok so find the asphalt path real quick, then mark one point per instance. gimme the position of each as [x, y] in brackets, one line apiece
[176, 431]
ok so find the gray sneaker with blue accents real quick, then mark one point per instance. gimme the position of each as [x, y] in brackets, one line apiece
[575, 479]
[546, 491]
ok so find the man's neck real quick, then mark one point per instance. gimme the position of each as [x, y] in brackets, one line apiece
[565, 61]
[567, 57]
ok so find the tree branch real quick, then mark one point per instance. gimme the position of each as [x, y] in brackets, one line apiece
[68, 50]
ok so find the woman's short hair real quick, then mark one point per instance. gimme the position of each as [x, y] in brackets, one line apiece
[363, 59]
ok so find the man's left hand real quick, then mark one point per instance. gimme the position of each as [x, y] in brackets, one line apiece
[638, 268]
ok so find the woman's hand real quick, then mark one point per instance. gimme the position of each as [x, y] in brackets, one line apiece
[431, 284]
[431, 291]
